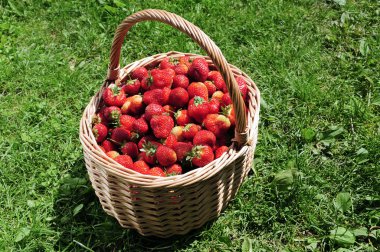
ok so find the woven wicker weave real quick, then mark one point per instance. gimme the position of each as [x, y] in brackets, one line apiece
[166, 206]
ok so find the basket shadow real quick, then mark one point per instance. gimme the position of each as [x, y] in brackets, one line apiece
[82, 223]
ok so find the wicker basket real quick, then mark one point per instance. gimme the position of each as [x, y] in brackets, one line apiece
[166, 206]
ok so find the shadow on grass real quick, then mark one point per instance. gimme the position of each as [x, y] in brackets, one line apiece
[83, 224]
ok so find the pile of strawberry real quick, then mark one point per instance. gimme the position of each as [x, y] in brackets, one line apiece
[168, 119]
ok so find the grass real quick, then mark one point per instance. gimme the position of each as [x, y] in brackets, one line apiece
[317, 160]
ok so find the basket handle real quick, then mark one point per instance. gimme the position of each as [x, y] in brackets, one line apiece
[202, 40]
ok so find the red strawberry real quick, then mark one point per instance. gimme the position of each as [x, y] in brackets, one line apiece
[220, 151]
[182, 150]
[112, 154]
[185, 60]
[161, 125]
[201, 155]
[229, 112]
[166, 156]
[182, 117]
[190, 131]
[217, 124]
[145, 83]
[156, 171]
[197, 89]
[218, 95]
[100, 132]
[101, 117]
[226, 99]
[214, 106]
[169, 110]
[127, 121]
[198, 70]
[204, 137]
[180, 81]
[145, 139]
[114, 96]
[161, 79]
[170, 72]
[130, 149]
[120, 135]
[218, 80]
[133, 105]
[210, 88]
[158, 96]
[170, 141]
[140, 126]
[178, 97]
[112, 114]
[141, 167]
[198, 109]
[181, 68]
[125, 161]
[102, 148]
[242, 86]
[175, 169]
[108, 146]
[149, 151]
[152, 110]
[140, 73]
[132, 87]
[177, 131]
[168, 62]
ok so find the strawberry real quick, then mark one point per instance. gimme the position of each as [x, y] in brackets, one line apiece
[141, 167]
[181, 68]
[158, 96]
[218, 80]
[166, 156]
[242, 86]
[144, 140]
[112, 114]
[133, 105]
[204, 137]
[140, 126]
[178, 97]
[185, 60]
[102, 148]
[114, 96]
[168, 62]
[170, 72]
[156, 171]
[152, 110]
[108, 146]
[139, 73]
[220, 151]
[130, 149]
[229, 112]
[120, 135]
[198, 70]
[127, 121]
[161, 79]
[201, 155]
[101, 117]
[214, 106]
[177, 131]
[217, 95]
[100, 132]
[190, 130]
[226, 99]
[112, 154]
[170, 141]
[197, 89]
[182, 117]
[149, 151]
[217, 124]
[145, 83]
[169, 110]
[161, 125]
[210, 87]
[182, 150]
[198, 109]
[125, 161]
[180, 81]
[175, 169]
[132, 87]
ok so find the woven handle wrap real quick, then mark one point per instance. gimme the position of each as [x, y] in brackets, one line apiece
[203, 41]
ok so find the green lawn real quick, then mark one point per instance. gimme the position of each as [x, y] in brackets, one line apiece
[316, 63]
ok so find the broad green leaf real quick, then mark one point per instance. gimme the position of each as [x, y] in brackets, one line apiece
[336, 132]
[343, 250]
[340, 2]
[30, 203]
[226, 240]
[110, 9]
[308, 134]
[343, 202]
[362, 151]
[363, 47]
[284, 179]
[342, 236]
[77, 209]
[247, 245]
[24, 232]
[362, 231]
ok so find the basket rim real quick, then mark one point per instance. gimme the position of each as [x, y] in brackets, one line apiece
[196, 175]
